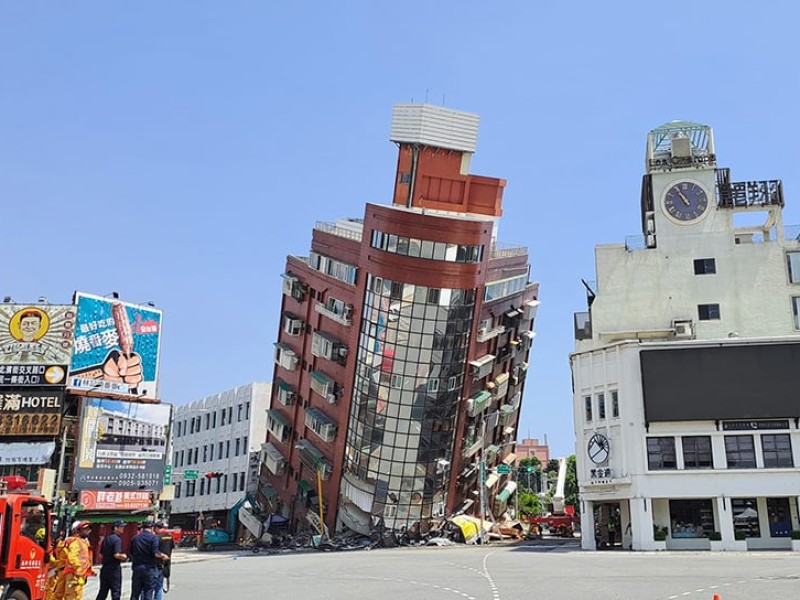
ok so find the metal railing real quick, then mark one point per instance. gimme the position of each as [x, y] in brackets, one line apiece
[336, 230]
[501, 250]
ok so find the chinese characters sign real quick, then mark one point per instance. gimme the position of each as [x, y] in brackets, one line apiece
[30, 411]
[115, 499]
[122, 445]
[35, 343]
[117, 342]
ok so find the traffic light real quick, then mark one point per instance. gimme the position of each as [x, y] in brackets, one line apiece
[529, 469]
[213, 475]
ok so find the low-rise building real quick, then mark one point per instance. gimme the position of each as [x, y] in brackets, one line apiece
[212, 442]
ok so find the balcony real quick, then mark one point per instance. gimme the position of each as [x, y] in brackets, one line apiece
[485, 334]
[332, 311]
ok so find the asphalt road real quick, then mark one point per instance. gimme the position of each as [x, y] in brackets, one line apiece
[511, 572]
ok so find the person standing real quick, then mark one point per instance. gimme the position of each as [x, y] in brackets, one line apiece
[165, 546]
[112, 557]
[145, 556]
[77, 562]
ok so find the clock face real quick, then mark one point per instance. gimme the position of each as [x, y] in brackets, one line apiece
[686, 202]
[598, 448]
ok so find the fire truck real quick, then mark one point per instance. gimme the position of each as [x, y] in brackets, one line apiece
[25, 541]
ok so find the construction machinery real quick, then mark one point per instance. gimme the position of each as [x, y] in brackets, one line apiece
[247, 513]
[561, 519]
[25, 541]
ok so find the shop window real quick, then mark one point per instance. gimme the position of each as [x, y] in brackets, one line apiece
[705, 266]
[780, 517]
[661, 453]
[777, 451]
[697, 452]
[708, 312]
[745, 516]
[691, 518]
[740, 452]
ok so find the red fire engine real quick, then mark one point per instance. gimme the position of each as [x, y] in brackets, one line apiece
[25, 530]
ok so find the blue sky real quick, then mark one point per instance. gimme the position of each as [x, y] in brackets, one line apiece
[178, 151]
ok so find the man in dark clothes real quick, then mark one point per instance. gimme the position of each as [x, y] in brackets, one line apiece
[165, 546]
[112, 557]
[146, 557]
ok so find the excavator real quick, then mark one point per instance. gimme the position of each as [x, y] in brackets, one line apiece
[247, 513]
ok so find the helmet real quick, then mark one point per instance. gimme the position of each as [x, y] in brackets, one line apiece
[81, 525]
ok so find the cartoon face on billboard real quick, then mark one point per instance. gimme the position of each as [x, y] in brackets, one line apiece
[35, 344]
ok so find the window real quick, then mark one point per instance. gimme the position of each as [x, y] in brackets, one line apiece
[793, 262]
[777, 449]
[178, 489]
[453, 382]
[691, 518]
[779, 515]
[218, 483]
[614, 404]
[705, 266]
[740, 452]
[796, 311]
[745, 516]
[397, 381]
[208, 421]
[697, 452]
[225, 483]
[238, 442]
[190, 488]
[241, 481]
[588, 408]
[247, 410]
[227, 449]
[235, 482]
[601, 406]
[202, 486]
[433, 385]
[222, 418]
[211, 452]
[230, 414]
[219, 450]
[405, 177]
[661, 453]
[244, 445]
[214, 419]
[433, 295]
[708, 312]
[205, 453]
[239, 413]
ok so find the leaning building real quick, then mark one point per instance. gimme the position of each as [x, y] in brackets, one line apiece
[403, 346]
[687, 364]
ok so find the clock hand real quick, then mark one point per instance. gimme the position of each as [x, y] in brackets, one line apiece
[683, 197]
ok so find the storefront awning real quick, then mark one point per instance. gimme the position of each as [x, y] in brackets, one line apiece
[506, 492]
[26, 453]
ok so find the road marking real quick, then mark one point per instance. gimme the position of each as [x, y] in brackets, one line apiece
[492, 585]
[422, 583]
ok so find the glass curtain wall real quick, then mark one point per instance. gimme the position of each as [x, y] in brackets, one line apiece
[411, 360]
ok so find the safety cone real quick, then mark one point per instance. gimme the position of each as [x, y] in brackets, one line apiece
[716, 597]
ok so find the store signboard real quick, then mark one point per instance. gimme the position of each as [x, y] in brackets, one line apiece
[30, 411]
[35, 343]
[122, 445]
[26, 453]
[115, 499]
[116, 342]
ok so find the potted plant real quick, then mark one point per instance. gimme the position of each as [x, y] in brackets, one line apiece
[796, 540]
[715, 541]
[740, 541]
[660, 533]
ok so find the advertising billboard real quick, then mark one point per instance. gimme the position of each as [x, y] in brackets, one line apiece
[116, 344]
[30, 411]
[115, 500]
[122, 445]
[35, 343]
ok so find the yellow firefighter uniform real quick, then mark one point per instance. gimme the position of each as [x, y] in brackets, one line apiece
[77, 567]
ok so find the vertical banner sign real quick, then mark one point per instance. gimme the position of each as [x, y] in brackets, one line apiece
[116, 347]
[122, 445]
[35, 343]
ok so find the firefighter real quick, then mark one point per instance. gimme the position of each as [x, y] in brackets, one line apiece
[55, 579]
[77, 562]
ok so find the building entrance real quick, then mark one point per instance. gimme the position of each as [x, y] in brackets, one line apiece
[607, 519]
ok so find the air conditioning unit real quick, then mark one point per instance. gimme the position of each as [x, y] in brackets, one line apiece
[683, 329]
[331, 398]
[342, 351]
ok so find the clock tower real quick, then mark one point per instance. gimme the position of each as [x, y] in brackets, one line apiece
[686, 197]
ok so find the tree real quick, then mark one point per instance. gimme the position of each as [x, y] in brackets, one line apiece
[529, 504]
[571, 495]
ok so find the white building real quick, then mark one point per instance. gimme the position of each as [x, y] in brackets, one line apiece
[687, 365]
[216, 435]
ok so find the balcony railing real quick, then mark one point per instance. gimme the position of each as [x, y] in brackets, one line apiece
[500, 250]
[340, 231]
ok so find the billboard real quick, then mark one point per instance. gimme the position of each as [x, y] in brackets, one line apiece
[115, 343]
[122, 445]
[30, 412]
[35, 343]
[115, 500]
